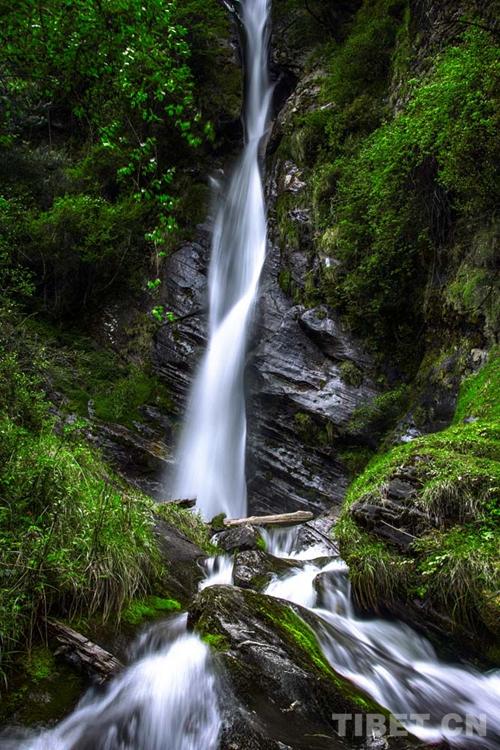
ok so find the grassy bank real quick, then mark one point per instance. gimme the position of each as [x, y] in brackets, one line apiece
[455, 565]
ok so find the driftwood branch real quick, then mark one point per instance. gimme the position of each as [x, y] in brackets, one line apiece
[282, 519]
[80, 651]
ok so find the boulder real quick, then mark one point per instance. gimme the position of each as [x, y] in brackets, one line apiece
[254, 569]
[280, 692]
[182, 560]
[244, 537]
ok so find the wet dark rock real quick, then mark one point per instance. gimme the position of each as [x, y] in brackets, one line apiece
[298, 401]
[243, 537]
[317, 531]
[179, 345]
[254, 569]
[182, 560]
[332, 337]
[280, 692]
[140, 455]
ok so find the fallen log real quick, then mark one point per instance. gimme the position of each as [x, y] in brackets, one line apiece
[83, 653]
[281, 519]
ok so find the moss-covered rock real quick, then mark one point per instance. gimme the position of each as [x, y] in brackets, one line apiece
[284, 689]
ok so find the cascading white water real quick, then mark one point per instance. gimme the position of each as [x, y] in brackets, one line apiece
[166, 699]
[211, 455]
[391, 662]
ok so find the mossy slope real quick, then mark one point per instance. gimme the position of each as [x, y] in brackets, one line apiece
[455, 565]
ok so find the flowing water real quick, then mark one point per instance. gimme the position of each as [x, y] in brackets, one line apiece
[168, 698]
[211, 456]
[390, 661]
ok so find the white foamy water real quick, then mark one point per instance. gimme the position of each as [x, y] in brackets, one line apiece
[211, 455]
[390, 661]
[167, 699]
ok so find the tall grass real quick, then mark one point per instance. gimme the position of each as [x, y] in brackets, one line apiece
[73, 539]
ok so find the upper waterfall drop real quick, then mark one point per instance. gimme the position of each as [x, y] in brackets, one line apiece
[211, 454]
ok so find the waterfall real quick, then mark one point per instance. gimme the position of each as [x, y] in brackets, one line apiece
[211, 455]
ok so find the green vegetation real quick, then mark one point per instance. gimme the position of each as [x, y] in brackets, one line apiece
[216, 642]
[74, 538]
[35, 695]
[103, 107]
[400, 193]
[139, 610]
[378, 416]
[455, 563]
[300, 635]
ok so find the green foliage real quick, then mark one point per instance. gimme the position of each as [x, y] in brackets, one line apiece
[355, 459]
[102, 105]
[478, 397]
[363, 62]
[15, 281]
[215, 641]
[139, 610]
[455, 564]
[73, 538]
[189, 523]
[351, 374]
[395, 199]
[80, 245]
[377, 416]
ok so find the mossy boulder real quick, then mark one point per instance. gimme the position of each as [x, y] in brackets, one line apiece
[283, 689]
[254, 569]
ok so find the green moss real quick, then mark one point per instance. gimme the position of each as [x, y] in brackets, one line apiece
[261, 543]
[139, 610]
[441, 143]
[478, 397]
[216, 642]
[42, 690]
[351, 374]
[293, 628]
[377, 416]
[355, 459]
[40, 663]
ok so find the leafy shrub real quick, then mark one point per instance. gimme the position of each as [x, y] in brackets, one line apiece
[80, 246]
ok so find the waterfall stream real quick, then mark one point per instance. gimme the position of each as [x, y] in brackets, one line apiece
[211, 456]
[389, 661]
[168, 698]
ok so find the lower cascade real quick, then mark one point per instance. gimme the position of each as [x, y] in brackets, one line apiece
[390, 661]
[169, 697]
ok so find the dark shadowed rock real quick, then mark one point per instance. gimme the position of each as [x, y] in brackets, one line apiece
[392, 513]
[182, 560]
[243, 537]
[332, 337]
[254, 569]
